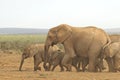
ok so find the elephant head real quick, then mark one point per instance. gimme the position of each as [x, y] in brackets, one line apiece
[28, 52]
[56, 35]
[56, 57]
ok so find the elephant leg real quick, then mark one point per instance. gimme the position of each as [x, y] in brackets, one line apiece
[84, 64]
[49, 67]
[53, 67]
[102, 65]
[36, 64]
[93, 54]
[98, 66]
[66, 62]
[78, 67]
[91, 66]
[110, 64]
[74, 64]
[61, 67]
[116, 60]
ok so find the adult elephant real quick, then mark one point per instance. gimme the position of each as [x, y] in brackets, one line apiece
[37, 52]
[77, 41]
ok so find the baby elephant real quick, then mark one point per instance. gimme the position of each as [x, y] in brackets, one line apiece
[37, 52]
[56, 59]
[112, 56]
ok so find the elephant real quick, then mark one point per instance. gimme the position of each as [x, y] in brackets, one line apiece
[57, 56]
[56, 59]
[37, 52]
[77, 41]
[112, 56]
[99, 65]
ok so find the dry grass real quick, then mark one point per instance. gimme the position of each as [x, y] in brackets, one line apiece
[9, 64]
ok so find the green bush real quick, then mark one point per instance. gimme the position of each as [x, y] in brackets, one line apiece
[18, 42]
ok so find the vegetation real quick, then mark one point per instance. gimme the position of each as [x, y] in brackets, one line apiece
[18, 42]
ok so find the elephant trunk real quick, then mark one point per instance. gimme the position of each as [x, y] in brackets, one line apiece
[46, 48]
[22, 61]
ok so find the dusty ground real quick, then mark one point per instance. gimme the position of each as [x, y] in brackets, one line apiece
[9, 64]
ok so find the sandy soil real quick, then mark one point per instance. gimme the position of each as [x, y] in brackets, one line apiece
[9, 64]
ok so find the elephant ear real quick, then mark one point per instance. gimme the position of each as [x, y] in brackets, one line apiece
[64, 31]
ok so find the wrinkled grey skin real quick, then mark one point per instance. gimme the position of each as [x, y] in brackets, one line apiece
[112, 56]
[37, 52]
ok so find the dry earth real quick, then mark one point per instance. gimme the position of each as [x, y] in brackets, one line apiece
[9, 64]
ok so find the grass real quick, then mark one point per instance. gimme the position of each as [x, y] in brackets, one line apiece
[18, 42]
[39, 38]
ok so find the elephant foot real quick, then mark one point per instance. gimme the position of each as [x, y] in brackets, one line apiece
[47, 68]
[37, 68]
[85, 70]
[61, 71]
[20, 70]
[91, 70]
[68, 69]
[79, 70]
[52, 69]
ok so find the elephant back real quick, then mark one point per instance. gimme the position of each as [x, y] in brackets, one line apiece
[33, 49]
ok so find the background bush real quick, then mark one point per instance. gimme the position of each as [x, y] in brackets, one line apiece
[19, 42]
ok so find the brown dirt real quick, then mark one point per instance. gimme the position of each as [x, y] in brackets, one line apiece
[9, 64]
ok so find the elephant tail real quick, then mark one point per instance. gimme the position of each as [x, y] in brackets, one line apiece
[108, 42]
[103, 48]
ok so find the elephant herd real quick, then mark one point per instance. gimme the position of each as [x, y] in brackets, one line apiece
[84, 47]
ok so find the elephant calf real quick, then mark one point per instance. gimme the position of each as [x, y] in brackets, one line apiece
[112, 56]
[57, 57]
[37, 52]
